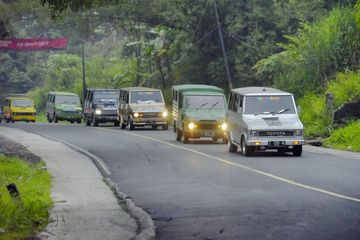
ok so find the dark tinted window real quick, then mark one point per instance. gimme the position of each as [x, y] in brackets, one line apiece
[205, 102]
[146, 97]
[269, 104]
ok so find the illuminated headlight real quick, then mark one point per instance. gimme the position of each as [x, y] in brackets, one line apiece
[98, 111]
[254, 133]
[136, 115]
[298, 133]
[224, 126]
[191, 126]
[164, 114]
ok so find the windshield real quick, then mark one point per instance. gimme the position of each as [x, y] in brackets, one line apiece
[106, 97]
[22, 103]
[205, 102]
[269, 105]
[146, 97]
[67, 100]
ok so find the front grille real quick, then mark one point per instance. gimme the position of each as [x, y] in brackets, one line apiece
[152, 114]
[276, 133]
[108, 112]
[24, 114]
[207, 126]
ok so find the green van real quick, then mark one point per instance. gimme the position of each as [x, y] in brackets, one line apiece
[63, 106]
[198, 111]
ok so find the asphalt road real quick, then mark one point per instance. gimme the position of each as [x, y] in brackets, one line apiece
[200, 191]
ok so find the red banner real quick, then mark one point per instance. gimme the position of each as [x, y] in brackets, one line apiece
[33, 44]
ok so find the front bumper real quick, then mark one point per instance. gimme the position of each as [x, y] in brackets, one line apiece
[149, 121]
[275, 142]
[69, 116]
[106, 118]
[24, 118]
[198, 133]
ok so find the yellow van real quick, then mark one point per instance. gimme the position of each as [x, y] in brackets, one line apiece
[19, 109]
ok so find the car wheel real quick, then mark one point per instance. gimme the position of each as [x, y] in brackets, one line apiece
[185, 138]
[232, 147]
[154, 127]
[78, 121]
[49, 119]
[87, 121]
[95, 123]
[131, 124]
[116, 123]
[165, 127]
[297, 151]
[55, 118]
[245, 149]
[7, 120]
[178, 134]
[72, 121]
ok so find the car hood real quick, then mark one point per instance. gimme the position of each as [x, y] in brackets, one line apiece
[204, 114]
[265, 122]
[148, 107]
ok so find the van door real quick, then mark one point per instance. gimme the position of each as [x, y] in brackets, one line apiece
[234, 116]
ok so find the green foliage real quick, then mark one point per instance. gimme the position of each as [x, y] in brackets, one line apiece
[345, 87]
[347, 138]
[313, 56]
[357, 7]
[314, 116]
[23, 218]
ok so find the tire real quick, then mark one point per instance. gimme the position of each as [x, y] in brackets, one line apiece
[232, 147]
[72, 121]
[95, 123]
[7, 120]
[49, 119]
[165, 127]
[178, 134]
[297, 151]
[116, 123]
[131, 125]
[55, 118]
[78, 121]
[87, 122]
[153, 127]
[185, 137]
[245, 149]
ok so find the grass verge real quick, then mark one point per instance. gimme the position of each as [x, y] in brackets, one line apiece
[26, 217]
[347, 138]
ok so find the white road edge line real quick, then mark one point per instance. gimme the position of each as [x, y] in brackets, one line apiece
[281, 179]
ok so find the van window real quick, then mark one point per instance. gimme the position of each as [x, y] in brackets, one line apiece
[205, 102]
[67, 99]
[101, 95]
[146, 97]
[22, 103]
[269, 104]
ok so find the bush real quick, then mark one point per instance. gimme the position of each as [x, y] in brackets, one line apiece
[347, 138]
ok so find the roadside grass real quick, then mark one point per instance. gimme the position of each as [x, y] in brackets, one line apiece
[41, 117]
[29, 215]
[347, 138]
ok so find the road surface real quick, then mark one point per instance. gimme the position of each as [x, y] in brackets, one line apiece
[201, 191]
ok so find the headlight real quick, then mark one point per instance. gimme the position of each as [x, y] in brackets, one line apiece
[98, 111]
[191, 126]
[298, 133]
[164, 114]
[136, 115]
[224, 126]
[254, 133]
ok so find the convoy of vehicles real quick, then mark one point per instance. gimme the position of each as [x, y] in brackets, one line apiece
[140, 107]
[19, 108]
[263, 118]
[63, 106]
[100, 106]
[198, 111]
[255, 118]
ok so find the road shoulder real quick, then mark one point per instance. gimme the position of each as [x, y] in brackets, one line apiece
[84, 205]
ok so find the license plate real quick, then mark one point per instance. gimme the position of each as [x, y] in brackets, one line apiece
[275, 143]
[208, 134]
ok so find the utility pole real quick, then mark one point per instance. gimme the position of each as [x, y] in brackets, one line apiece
[223, 47]
[83, 70]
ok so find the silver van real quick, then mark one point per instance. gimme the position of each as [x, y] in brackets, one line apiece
[261, 118]
[139, 106]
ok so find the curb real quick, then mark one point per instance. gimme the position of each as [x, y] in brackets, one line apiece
[147, 227]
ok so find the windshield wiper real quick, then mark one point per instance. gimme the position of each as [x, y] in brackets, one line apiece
[202, 105]
[214, 105]
[264, 113]
[283, 110]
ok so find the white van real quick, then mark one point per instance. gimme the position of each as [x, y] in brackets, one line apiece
[261, 118]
